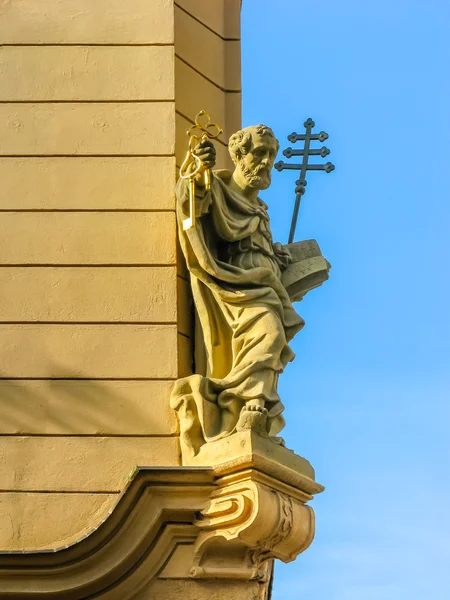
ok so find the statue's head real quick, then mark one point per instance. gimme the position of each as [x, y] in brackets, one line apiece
[253, 151]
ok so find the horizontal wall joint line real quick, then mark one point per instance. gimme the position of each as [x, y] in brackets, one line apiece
[97, 492]
[86, 45]
[206, 26]
[89, 435]
[87, 210]
[207, 78]
[41, 156]
[90, 101]
[71, 323]
[4, 378]
[93, 265]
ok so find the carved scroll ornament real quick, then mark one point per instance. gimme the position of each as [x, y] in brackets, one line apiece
[249, 520]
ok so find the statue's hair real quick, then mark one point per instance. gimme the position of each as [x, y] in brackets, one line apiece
[240, 142]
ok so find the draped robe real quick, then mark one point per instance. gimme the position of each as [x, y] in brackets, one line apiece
[244, 312]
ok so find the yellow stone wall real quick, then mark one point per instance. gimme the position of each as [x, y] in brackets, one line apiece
[95, 321]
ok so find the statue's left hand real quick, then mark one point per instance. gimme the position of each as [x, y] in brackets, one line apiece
[282, 255]
[207, 153]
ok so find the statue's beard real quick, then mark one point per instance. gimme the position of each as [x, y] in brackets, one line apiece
[260, 178]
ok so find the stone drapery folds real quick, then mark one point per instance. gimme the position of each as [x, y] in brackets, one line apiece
[246, 316]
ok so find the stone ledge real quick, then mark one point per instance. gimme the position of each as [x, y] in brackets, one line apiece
[247, 449]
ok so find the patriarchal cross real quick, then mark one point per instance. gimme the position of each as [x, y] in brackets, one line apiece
[305, 166]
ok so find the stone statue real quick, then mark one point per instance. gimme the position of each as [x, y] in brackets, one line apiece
[243, 285]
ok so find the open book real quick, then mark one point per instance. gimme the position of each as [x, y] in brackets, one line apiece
[308, 270]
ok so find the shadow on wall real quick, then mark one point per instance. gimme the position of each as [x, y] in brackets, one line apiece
[85, 407]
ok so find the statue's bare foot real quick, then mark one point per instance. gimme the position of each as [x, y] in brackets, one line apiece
[256, 408]
[253, 417]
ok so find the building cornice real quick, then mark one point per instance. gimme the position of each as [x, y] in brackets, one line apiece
[155, 512]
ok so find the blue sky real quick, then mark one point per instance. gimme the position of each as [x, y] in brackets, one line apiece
[367, 399]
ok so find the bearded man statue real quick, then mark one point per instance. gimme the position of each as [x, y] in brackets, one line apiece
[244, 316]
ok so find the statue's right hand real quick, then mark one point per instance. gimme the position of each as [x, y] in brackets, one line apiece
[206, 152]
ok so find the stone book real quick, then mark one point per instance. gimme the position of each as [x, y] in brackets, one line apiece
[308, 269]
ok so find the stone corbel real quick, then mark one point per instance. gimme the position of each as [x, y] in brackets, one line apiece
[250, 519]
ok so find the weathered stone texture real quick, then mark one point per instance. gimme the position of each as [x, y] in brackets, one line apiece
[86, 73]
[43, 517]
[88, 351]
[87, 183]
[87, 22]
[75, 464]
[85, 407]
[95, 238]
[72, 294]
[110, 128]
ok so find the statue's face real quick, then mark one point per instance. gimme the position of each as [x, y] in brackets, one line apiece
[256, 165]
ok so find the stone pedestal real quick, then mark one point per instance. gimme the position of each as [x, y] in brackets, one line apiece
[257, 511]
[248, 449]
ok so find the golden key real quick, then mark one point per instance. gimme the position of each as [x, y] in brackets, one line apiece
[202, 129]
